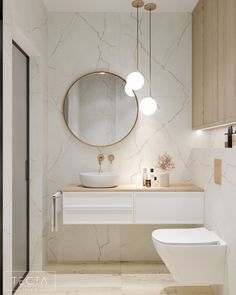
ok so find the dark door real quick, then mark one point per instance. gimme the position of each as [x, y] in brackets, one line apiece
[20, 153]
[1, 151]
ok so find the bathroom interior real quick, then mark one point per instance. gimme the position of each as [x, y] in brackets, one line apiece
[118, 152]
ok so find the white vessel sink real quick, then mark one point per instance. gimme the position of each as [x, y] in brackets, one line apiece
[99, 179]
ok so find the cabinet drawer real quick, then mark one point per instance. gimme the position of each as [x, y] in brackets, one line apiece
[97, 198]
[97, 208]
[98, 215]
[169, 208]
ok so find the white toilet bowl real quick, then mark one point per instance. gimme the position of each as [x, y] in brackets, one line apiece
[194, 256]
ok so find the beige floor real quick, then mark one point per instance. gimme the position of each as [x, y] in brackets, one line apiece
[106, 279]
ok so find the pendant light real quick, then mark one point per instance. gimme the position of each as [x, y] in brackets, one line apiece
[128, 90]
[135, 80]
[148, 105]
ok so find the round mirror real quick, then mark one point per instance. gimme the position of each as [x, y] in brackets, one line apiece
[98, 111]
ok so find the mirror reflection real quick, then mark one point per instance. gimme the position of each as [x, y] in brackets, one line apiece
[98, 111]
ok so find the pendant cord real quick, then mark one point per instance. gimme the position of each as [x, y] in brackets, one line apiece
[137, 40]
[150, 51]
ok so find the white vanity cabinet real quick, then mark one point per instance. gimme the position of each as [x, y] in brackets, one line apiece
[133, 206]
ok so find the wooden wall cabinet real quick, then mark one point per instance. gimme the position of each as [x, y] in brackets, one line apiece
[214, 63]
[197, 74]
[227, 60]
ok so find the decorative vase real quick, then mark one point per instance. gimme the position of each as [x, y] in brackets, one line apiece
[164, 179]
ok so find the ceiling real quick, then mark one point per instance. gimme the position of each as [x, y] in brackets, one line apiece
[116, 5]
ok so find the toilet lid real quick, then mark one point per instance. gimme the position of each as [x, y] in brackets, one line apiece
[188, 236]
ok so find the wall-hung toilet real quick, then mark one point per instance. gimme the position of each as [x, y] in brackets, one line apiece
[194, 256]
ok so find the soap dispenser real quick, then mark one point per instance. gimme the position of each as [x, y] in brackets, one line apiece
[229, 136]
[145, 176]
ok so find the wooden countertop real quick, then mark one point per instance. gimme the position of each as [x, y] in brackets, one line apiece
[135, 188]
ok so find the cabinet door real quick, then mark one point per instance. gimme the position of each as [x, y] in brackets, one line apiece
[169, 208]
[227, 60]
[197, 78]
[210, 61]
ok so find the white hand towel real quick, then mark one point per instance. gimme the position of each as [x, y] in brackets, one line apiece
[55, 209]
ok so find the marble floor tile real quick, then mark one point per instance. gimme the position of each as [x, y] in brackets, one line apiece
[68, 281]
[149, 280]
[108, 268]
[25, 292]
[187, 291]
[103, 268]
[85, 268]
[97, 291]
[143, 268]
[130, 281]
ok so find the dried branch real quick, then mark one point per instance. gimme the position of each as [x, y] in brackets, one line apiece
[165, 163]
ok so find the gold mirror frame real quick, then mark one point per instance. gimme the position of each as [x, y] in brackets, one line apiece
[63, 107]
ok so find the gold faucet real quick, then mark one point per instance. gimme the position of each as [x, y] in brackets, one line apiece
[111, 158]
[100, 159]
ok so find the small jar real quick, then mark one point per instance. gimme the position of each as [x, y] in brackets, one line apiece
[148, 183]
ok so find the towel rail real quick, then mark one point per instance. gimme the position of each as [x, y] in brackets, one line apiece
[54, 220]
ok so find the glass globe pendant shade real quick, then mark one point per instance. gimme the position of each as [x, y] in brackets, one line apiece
[148, 106]
[128, 90]
[135, 80]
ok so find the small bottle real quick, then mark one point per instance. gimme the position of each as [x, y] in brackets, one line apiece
[152, 175]
[145, 176]
[156, 182]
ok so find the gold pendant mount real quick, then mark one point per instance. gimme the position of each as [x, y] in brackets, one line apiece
[150, 6]
[137, 3]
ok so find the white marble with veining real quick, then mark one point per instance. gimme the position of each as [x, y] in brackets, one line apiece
[79, 43]
[220, 202]
[26, 23]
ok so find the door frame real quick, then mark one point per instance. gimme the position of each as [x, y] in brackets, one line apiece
[28, 160]
[1, 149]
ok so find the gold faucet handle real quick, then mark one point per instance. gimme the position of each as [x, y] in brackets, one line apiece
[100, 158]
[111, 158]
